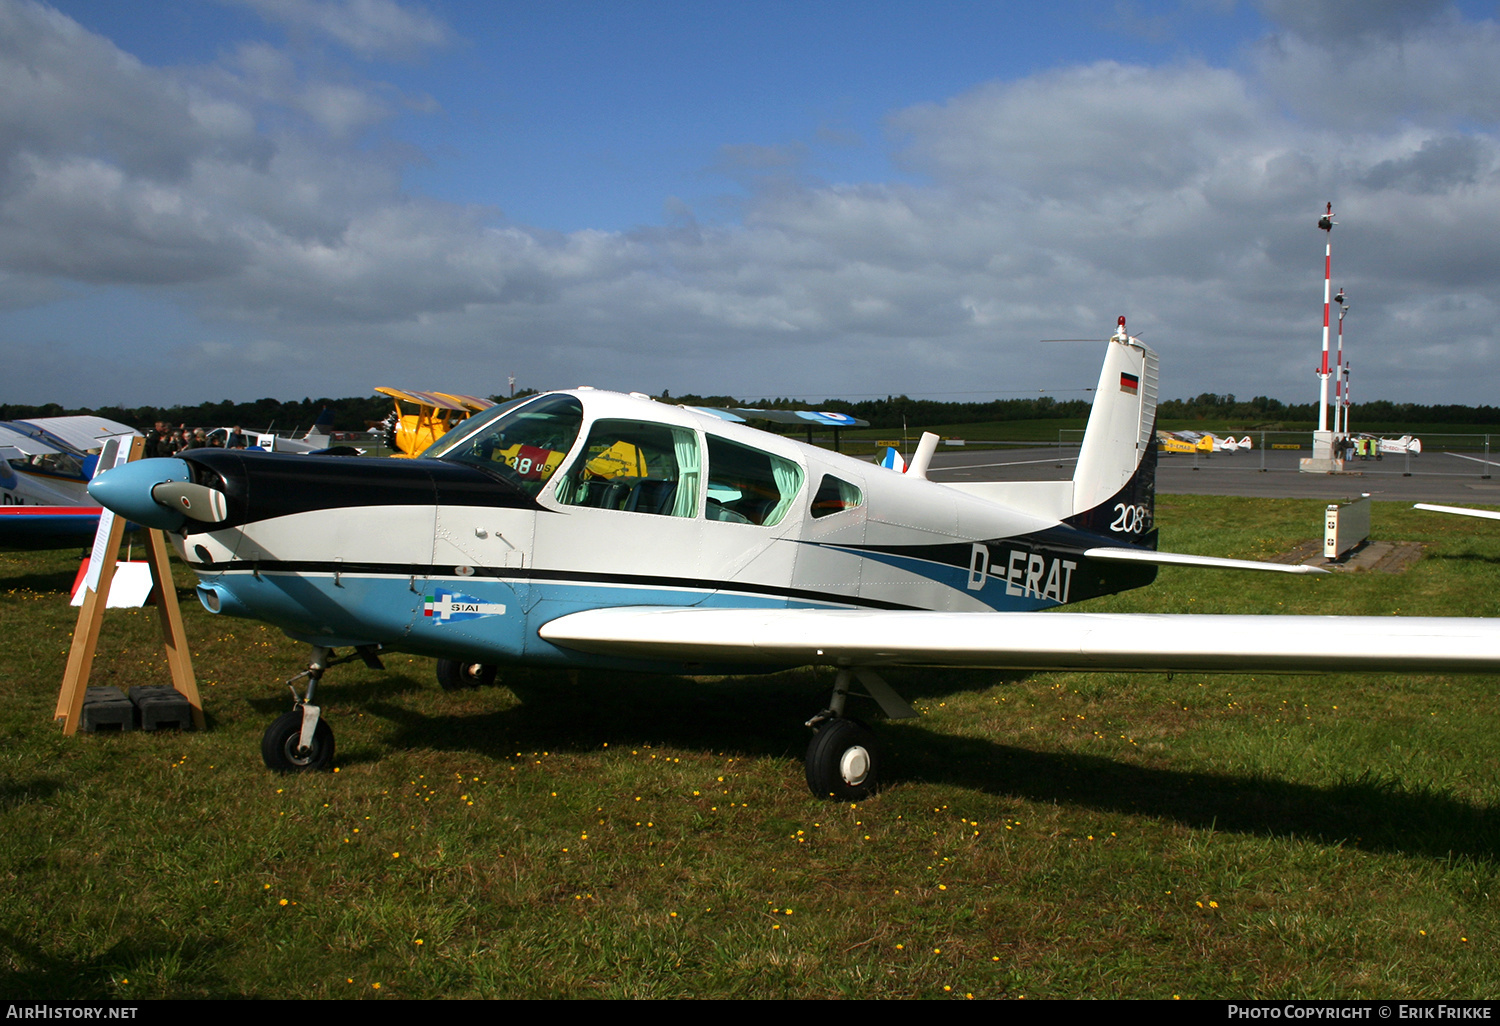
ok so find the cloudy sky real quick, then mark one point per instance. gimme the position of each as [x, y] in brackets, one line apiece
[205, 200]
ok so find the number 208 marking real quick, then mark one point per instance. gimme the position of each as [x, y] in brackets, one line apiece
[1129, 519]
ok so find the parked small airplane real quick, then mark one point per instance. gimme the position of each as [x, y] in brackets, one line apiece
[317, 441]
[1404, 444]
[1184, 443]
[45, 467]
[1201, 442]
[591, 529]
[426, 417]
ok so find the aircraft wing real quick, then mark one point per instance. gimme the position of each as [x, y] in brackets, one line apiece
[472, 403]
[82, 433]
[800, 418]
[14, 444]
[1035, 641]
[437, 400]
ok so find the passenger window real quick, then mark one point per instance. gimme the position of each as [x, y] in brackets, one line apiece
[835, 496]
[636, 467]
[747, 486]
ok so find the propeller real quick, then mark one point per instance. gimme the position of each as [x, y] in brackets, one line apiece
[196, 501]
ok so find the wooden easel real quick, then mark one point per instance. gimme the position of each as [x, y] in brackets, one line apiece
[91, 618]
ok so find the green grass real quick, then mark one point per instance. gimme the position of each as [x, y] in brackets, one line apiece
[1045, 835]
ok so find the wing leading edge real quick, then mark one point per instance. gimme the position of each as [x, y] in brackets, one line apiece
[1035, 641]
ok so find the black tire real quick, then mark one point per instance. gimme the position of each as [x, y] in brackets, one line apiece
[843, 761]
[278, 747]
[459, 675]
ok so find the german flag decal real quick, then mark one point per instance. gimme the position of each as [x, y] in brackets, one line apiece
[1130, 384]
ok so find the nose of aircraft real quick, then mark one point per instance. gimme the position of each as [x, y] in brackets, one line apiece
[127, 491]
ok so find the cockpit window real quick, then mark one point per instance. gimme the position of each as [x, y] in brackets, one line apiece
[747, 486]
[637, 467]
[522, 441]
[834, 496]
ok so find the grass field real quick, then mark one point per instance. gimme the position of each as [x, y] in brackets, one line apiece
[1043, 835]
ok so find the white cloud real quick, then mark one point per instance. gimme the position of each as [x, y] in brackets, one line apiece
[1424, 64]
[370, 28]
[1184, 196]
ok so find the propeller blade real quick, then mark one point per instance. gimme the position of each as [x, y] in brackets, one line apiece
[192, 500]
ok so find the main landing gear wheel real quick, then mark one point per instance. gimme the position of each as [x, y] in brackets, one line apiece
[282, 743]
[843, 761]
[458, 675]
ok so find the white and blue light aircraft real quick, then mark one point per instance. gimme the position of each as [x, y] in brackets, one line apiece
[593, 529]
[45, 467]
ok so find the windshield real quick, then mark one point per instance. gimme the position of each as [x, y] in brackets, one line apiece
[523, 441]
[464, 428]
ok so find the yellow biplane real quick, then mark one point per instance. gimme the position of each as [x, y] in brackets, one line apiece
[1184, 442]
[426, 417]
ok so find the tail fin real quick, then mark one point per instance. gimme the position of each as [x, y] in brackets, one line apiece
[893, 460]
[318, 434]
[1114, 486]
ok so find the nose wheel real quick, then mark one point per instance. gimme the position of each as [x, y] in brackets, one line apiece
[301, 740]
[283, 751]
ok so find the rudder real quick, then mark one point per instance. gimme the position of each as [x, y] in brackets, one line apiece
[1114, 485]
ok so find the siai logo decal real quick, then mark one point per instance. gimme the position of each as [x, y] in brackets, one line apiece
[446, 607]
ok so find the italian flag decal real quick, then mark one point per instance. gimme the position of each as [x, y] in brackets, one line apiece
[449, 607]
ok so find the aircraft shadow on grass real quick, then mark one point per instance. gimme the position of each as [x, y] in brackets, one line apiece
[47, 582]
[1364, 812]
[39, 974]
[1465, 557]
[15, 793]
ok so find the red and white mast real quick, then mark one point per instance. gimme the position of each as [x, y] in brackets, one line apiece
[1326, 222]
[1347, 401]
[1340, 385]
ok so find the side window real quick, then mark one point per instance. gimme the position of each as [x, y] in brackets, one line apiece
[835, 496]
[636, 467]
[747, 486]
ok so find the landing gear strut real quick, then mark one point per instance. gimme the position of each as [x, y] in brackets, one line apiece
[843, 758]
[301, 740]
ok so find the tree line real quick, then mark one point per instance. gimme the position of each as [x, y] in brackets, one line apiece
[358, 412]
[1264, 411]
[351, 414]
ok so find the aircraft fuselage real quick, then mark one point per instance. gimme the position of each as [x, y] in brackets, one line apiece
[468, 558]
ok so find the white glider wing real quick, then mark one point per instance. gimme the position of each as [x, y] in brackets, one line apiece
[1035, 641]
[1462, 511]
[1112, 554]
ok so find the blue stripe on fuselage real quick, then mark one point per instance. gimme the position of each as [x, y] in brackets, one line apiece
[389, 611]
